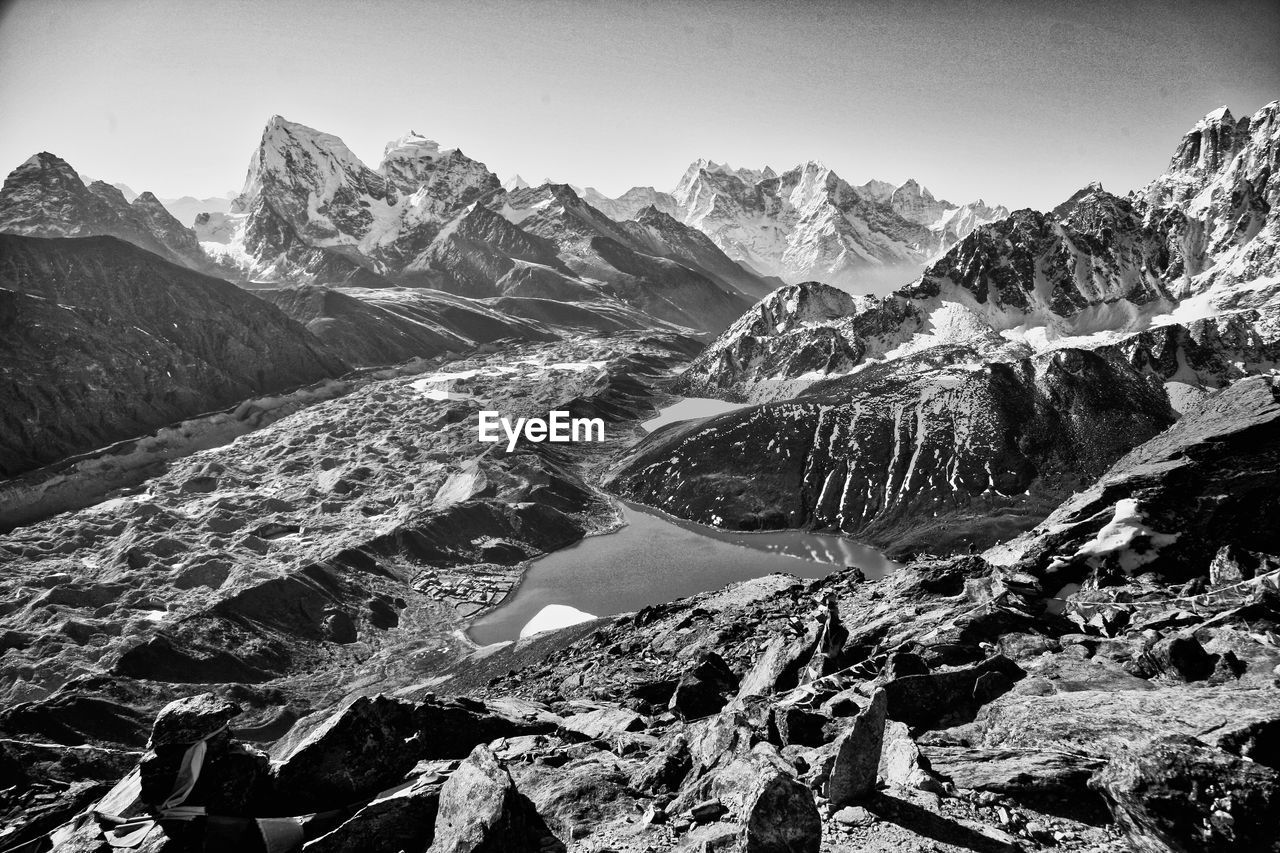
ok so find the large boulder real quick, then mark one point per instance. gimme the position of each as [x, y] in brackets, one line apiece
[778, 664]
[704, 689]
[372, 743]
[185, 721]
[666, 768]
[1103, 722]
[1176, 795]
[1056, 782]
[402, 820]
[234, 779]
[778, 813]
[1179, 657]
[857, 759]
[954, 696]
[482, 812]
[901, 763]
[762, 805]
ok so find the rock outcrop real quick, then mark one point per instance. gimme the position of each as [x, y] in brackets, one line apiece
[1172, 504]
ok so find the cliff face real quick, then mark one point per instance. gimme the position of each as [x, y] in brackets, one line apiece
[102, 341]
[925, 453]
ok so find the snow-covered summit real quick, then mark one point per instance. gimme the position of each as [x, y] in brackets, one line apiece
[412, 144]
[310, 182]
[1198, 249]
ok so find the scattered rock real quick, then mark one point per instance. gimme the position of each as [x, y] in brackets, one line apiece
[854, 816]
[372, 743]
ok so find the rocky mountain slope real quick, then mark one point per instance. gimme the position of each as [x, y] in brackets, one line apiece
[44, 197]
[388, 326]
[927, 454]
[103, 341]
[1197, 244]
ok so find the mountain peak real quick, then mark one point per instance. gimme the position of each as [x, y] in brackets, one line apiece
[1091, 196]
[1208, 145]
[1221, 115]
[914, 190]
[280, 132]
[278, 123]
[877, 189]
[412, 145]
[45, 160]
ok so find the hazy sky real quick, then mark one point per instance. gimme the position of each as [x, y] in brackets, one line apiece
[1019, 103]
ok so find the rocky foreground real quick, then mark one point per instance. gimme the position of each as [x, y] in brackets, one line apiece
[1106, 681]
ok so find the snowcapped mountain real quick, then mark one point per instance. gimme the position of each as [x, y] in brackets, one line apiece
[312, 213]
[808, 223]
[949, 223]
[306, 190]
[1219, 199]
[1020, 365]
[661, 267]
[629, 204]
[1194, 246]
[45, 197]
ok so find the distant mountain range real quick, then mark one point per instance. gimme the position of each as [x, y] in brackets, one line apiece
[311, 212]
[808, 223]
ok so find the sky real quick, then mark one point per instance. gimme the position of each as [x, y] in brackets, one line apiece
[1019, 103]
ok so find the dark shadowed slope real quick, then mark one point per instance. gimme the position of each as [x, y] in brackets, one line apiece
[102, 341]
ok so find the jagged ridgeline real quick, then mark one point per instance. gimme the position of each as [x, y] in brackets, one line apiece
[1066, 424]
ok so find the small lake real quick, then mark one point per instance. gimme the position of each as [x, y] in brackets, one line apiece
[656, 558]
[690, 408]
